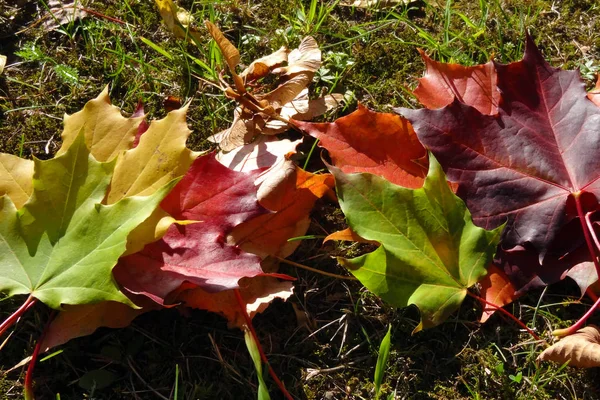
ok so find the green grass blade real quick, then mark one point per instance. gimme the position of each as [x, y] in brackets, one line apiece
[263, 393]
[384, 353]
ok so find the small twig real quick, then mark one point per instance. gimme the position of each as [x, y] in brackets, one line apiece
[143, 381]
[306, 267]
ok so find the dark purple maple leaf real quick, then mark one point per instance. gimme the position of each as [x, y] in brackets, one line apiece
[522, 165]
[219, 199]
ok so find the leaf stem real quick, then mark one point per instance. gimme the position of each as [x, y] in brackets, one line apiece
[590, 237]
[10, 321]
[509, 315]
[28, 388]
[318, 271]
[588, 222]
[240, 301]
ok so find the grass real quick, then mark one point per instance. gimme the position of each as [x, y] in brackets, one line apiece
[324, 342]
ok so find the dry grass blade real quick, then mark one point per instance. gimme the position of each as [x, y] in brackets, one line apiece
[582, 349]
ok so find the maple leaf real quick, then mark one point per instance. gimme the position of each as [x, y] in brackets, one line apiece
[160, 156]
[523, 164]
[291, 193]
[497, 289]
[257, 293]
[378, 143]
[430, 250]
[84, 319]
[62, 245]
[581, 349]
[442, 83]
[16, 178]
[107, 132]
[218, 199]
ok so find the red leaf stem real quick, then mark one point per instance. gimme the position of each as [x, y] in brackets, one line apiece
[590, 238]
[263, 357]
[509, 315]
[588, 222]
[28, 390]
[10, 321]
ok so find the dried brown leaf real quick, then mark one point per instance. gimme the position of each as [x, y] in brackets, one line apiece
[262, 67]
[177, 20]
[581, 349]
[229, 51]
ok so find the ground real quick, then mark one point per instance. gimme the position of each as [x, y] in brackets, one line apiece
[323, 342]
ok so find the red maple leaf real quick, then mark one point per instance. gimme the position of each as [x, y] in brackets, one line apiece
[382, 144]
[521, 165]
[219, 199]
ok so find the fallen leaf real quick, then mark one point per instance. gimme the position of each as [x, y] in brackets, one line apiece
[430, 251]
[378, 143]
[373, 3]
[305, 60]
[107, 132]
[84, 319]
[2, 63]
[497, 289]
[257, 293]
[61, 13]
[263, 66]
[160, 157]
[523, 164]
[291, 194]
[442, 83]
[594, 94]
[264, 152]
[177, 20]
[522, 266]
[229, 51]
[62, 245]
[348, 235]
[16, 178]
[581, 349]
[218, 199]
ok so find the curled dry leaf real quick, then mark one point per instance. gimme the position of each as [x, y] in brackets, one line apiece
[269, 113]
[61, 13]
[177, 20]
[262, 67]
[231, 54]
[581, 349]
[2, 63]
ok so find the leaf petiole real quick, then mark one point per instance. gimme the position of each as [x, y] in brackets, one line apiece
[509, 315]
[590, 239]
[10, 321]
